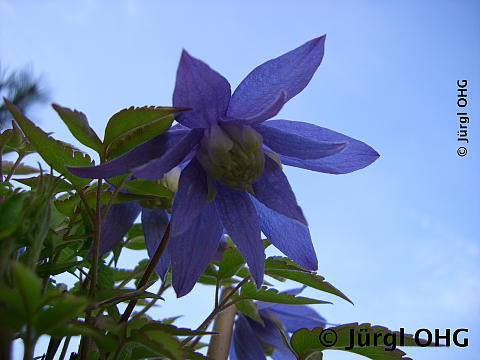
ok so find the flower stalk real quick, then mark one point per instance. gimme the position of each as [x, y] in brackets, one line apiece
[223, 325]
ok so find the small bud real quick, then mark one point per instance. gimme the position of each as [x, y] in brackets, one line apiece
[232, 155]
[170, 179]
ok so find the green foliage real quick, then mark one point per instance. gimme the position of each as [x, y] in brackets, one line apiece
[249, 291]
[78, 125]
[50, 229]
[57, 154]
[287, 269]
[133, 126]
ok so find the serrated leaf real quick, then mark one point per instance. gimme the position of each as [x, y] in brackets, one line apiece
[57, 154]
[48, 269]
[172, 330]
[249, 291]
[147, 187]
[21, 169]
[78, 125]
[114, 292]
[160, 342]
[133, 126]
[68, 204]
[381, 346]
[33, 182]
[282, 267]
[250, 309]
[232, 261]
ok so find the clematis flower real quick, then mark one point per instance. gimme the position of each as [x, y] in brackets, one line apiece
[120, 218]
[232, 179]
[250, 338]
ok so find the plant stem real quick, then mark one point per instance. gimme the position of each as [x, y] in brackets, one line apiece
[215, 311]
[86, 345]
[96, 242]
[15, 165]
[64, 348]
[220, 343]
[148, 272]
[112, 198]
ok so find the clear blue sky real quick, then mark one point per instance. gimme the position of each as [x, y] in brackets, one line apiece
[400, 238]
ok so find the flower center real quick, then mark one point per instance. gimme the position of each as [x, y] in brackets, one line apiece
[232, 155]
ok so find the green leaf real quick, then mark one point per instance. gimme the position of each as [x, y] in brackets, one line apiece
[48, 269]
[249, 291]
[114, 292]
[250, 309]
[380, 346]
[283, 267]
[105, 276]
[19, 170]
[62, 309]
[162, 343]
[171, 329]
[231, 262]
[29, 286]
[12, 311]
[148, 187]
[33, 182]
[78, 125]
[57, 154]
[133, 126]
[10, 209]
[68, 204]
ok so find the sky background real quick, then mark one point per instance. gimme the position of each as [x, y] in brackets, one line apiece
[401, 238]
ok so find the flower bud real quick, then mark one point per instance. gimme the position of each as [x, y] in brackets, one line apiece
[232, 155]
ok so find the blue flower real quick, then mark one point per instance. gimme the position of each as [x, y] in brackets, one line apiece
[250, 337]
[232, 180]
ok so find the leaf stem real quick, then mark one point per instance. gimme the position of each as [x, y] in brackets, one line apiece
[148, 272]
[14, 167]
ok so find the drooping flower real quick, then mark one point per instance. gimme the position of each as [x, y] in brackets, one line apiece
[250, 338]
[232, 179]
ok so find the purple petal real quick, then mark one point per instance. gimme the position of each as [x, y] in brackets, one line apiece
[244, 342]
[267, 333]
[273, 190]
[267, 113]
[290, 72]
[231, 353]
[299, 145]
[240, 221]
[173, 156]
[154, 224]
[289, 236]
[192, 250]
[138, 156]
[295, 317]
[190, 198]
[355, 156]
[203, 90]
[283, 354]
[117, 222]
[222, 246]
